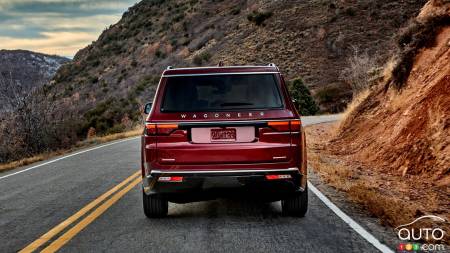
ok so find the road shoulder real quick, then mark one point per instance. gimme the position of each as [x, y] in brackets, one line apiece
[326, 174]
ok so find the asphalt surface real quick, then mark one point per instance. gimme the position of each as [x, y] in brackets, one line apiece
[35, 201]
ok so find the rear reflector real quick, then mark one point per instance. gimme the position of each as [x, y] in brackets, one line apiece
[276, 177]
[170, 179]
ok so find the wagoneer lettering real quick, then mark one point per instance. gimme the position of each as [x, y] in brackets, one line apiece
[222, 115]
[223, 132]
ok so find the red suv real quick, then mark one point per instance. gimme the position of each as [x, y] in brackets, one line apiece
[222, 132]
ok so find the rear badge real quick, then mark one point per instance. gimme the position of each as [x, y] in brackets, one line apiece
[221, 115]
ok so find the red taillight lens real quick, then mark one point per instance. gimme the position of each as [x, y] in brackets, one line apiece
[160, 129]
[170, 179]
[150, 129]
[279, 125]
[166, 129]
[295, 125]
[277, 177]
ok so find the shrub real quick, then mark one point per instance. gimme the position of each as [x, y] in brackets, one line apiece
[93, 79]
[350, 11]
[91, 133]
[303, 100]
[259, 17]
[328, 94]
[200, 58]
[116, 129]
[416, 36]
[178, 18]
[235, 11]
[159, 54]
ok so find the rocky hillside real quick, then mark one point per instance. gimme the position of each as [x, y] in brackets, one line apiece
[112, 77]
[413, 137]
[21, 71]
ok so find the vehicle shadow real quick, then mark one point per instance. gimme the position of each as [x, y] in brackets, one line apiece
[226, 207]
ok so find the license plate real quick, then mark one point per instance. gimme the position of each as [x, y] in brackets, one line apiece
[228, 134]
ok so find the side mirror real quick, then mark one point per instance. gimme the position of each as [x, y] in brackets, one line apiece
[148, 108]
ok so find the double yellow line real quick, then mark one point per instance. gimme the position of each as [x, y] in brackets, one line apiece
[67, 236]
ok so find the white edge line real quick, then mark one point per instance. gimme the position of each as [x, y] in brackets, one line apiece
[67, 156]
[353, 224]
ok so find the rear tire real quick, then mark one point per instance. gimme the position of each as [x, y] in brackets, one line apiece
[297, 205]
[155, 206]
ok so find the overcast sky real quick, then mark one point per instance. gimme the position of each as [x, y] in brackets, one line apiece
[59, 27]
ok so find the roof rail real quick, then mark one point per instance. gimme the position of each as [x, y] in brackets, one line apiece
[273, 65]
[169, 67]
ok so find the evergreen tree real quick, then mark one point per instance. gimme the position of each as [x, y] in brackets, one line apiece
[303, 100]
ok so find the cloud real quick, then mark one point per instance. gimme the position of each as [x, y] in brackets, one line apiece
[56, 26]
[60, 43]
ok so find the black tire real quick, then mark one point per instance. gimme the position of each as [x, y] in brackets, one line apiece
[155, 206]
[297, 205]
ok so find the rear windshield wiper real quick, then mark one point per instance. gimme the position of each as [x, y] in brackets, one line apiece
[235, 104]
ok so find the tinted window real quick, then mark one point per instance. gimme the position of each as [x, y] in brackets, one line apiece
[221, 93]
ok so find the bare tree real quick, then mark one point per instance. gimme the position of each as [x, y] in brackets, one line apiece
[11, 92]
[29, 123]
[361, 71]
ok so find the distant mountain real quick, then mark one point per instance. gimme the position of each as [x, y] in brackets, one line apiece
[21, 71]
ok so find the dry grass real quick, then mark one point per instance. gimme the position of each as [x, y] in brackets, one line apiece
[356, 101]
[97, 140]
[83, 144]
[332, 173]
[361, 189]
[391, 211]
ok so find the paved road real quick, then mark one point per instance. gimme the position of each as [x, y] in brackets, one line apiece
[37, 200]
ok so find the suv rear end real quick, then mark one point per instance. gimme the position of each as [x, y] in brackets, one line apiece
[223, 131]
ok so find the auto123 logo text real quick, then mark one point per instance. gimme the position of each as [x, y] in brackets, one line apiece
[415, 235]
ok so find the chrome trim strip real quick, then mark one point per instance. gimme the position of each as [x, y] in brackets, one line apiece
[221, 74]
[219, 171]
[278, 157]
[167, 160]
[274, 133]
[217, 122]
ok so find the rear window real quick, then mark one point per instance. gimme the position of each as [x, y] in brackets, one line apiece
[221, 93]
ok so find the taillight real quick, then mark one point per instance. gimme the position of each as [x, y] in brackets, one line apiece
[160, 129]
[166, 129]
[150, 129]
[293, 125]
[279, 125]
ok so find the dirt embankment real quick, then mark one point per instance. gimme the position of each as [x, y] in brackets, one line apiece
[392, 151]
[406, 132]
